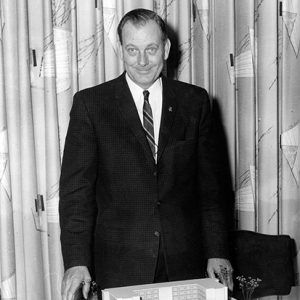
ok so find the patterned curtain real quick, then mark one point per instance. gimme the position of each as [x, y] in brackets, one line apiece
[244, 52]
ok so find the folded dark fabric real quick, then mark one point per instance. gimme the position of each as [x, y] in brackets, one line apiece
[267, 257]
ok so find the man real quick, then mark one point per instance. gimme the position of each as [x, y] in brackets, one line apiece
[139, 200]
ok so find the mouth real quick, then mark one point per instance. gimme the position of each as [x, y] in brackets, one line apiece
[143, 71]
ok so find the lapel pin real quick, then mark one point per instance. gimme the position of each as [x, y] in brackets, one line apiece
[170, 108]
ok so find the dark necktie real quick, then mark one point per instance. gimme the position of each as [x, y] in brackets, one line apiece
[148, 122]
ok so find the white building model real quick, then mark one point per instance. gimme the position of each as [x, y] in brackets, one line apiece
[196, 289]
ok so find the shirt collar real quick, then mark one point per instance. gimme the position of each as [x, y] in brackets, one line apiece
[137, 91]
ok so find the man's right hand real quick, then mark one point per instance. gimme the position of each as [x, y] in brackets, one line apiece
[73, 278]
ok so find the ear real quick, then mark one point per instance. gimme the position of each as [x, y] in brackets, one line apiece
[167, 48]
[120, 48]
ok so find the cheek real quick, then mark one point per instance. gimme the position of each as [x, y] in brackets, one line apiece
[158, 59]
[129, 60]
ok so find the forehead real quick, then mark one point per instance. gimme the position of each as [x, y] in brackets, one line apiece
[148, 32]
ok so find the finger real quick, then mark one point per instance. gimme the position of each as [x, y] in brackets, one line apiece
[86, 288]
[64, 287]
[230, 283]
[223, 279]
[74, 287]
[226, 278]
[211, 273]
[230, 286]
[65, 290]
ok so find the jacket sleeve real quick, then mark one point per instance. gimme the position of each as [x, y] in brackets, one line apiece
[213, 211]
[77, 206]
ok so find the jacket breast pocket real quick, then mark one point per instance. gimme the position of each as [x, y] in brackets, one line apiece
[184, 143]
[182, 153]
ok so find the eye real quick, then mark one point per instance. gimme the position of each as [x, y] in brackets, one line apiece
[152, 50]
[131, 50]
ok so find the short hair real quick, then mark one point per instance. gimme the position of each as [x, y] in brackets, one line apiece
[141, 16]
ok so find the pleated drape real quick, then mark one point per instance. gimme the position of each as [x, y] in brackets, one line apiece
[244, 52]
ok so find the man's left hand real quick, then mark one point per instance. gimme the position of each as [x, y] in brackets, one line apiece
[221, 269]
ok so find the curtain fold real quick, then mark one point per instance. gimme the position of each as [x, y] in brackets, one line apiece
[56, 49]
[7, 253]
[11, 98]
[31, 238]
[246, 113]
[244, 52]
[289, 209]
[267, 117]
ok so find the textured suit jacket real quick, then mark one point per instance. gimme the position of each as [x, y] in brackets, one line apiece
[115, 202]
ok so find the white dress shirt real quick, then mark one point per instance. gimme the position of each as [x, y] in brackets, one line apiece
[155, 100]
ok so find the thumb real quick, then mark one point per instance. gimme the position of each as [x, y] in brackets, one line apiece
[86, 288]
[210, 271]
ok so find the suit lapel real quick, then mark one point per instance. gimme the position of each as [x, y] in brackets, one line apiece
[169, 108]
[127, 108]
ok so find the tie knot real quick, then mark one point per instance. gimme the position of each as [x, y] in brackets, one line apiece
[146, 95]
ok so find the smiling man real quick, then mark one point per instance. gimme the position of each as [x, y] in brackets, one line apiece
[139, 199]
[143, 48]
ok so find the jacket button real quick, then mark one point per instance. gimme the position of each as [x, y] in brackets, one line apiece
[158, 203]
[154, 173]
[156, 233]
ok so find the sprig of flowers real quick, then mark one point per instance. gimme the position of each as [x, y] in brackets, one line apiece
[248, 285]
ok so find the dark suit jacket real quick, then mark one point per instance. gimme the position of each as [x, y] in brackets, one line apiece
[115, 201]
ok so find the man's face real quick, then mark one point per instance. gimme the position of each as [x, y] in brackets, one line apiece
[143, 52]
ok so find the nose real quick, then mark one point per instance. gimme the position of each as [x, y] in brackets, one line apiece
[143, 59]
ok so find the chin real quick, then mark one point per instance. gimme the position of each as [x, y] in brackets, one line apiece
[146, 83]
